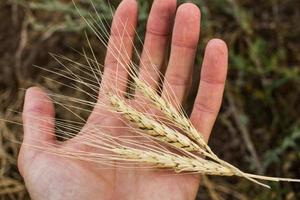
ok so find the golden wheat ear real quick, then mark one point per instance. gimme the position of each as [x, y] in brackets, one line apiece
[178, 140]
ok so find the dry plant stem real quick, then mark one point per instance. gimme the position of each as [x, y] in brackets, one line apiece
[244, 131]
[210, 188]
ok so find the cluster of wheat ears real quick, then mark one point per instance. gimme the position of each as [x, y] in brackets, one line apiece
[156, 132]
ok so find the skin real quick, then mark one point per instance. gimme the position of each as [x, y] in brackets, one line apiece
[51, 177]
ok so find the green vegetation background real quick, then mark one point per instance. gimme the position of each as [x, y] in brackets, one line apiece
[259, 126]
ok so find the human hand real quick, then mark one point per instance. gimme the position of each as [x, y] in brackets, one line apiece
[53, 177]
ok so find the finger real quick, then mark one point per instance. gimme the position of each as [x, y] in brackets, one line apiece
[183, 50]
[38, 117]
[38, 123]
[157, 34]
[120, 46]
[119, 52]
[213, 76]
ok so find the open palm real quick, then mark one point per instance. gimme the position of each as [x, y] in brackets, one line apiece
[53, 177]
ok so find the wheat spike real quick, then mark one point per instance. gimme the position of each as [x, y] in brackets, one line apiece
[177, 163]
[171, 113]
[154, 128]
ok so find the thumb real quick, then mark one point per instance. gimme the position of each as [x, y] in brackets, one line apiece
[38, 125]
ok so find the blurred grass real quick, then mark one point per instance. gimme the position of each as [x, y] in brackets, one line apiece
[259, 126]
